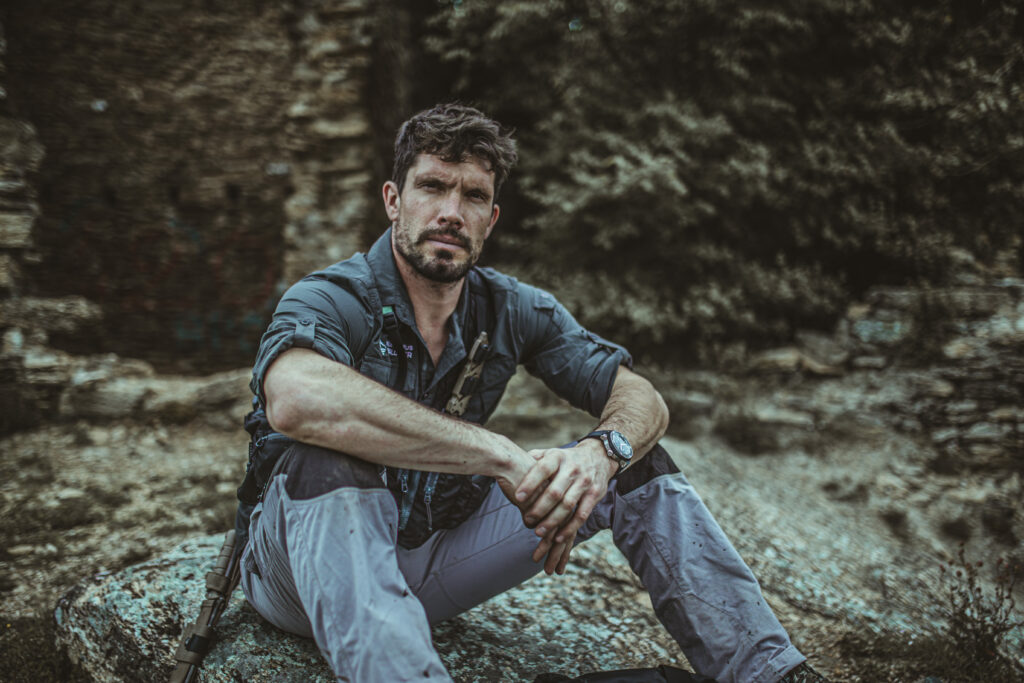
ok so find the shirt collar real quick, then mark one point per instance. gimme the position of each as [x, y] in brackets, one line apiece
[390, 286]
[392, 291]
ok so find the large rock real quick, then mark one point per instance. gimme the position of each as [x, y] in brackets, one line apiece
[110, 392]
[756, 427]
[788, 360]
[126, 626]
[67, 315]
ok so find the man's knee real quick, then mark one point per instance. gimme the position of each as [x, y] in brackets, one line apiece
[313, 471]
[656, 463]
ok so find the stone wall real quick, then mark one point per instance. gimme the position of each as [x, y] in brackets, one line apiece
[200, 158]
[20, 155]
[182, 165]
[943, 364]
[970, 342]
[32, 376]
[329, 137]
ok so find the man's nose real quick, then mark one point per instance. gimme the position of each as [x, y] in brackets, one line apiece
[451, 209]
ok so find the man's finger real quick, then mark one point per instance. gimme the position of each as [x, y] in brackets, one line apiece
[561, 512]
[583, 510]
[528, 503]
[554, 504]
[542, 548]
[538, 474]
[555, 556]
[557, 553]
[565, 554]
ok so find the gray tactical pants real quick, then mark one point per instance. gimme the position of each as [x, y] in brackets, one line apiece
[322, 562]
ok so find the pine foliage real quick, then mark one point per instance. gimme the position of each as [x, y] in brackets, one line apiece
[696, 171]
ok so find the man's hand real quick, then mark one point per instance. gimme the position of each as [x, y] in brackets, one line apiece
[514, 473]
[559, 493]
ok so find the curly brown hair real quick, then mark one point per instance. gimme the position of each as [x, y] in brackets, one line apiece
[455, 132]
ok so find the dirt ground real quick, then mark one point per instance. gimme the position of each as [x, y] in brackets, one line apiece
[854, 578]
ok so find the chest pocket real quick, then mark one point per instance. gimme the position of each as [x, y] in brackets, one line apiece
[497, 372]
[381, 369]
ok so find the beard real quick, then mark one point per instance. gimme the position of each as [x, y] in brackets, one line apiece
[434, 264]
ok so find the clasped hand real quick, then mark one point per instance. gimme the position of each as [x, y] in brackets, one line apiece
[558, 493]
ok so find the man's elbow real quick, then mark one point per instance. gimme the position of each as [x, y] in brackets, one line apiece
[281, 418]
[284, 397]
[657, 407]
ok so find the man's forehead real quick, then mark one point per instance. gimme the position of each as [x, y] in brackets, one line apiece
[433, 164]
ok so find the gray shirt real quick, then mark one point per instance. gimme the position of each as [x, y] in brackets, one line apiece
[340, 312]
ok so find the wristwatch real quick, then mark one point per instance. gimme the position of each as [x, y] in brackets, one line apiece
[615, 445]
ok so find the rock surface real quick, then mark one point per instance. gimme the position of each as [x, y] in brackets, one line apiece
[845, 528]
[126, 626]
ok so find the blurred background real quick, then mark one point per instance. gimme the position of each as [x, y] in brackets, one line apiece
[694, 173]
[805, 217]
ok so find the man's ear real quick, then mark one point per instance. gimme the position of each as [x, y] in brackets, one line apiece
[494, 219]
[392, 200]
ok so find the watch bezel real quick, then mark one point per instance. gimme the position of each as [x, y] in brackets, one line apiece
[617, 447]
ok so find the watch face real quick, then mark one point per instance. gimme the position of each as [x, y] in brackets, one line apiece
[620, 444]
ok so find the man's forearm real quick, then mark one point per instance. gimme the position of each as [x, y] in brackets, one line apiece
[319, 401]
[636, 409]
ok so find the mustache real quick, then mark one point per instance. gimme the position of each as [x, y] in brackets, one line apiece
[450, 233]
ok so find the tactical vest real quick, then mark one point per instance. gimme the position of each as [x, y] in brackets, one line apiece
[426, 501]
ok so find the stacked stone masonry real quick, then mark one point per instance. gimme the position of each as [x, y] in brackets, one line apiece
[200, 159]
[20, 155]
[31, 376]
[329, 137]
[198, 162]
[969, 340]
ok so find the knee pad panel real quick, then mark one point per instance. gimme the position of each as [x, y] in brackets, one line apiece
[313, 471]
[656, 463]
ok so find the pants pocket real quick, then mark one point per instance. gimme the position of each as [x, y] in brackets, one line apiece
[249, 562]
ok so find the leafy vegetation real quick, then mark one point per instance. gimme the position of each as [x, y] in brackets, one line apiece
[695, 171]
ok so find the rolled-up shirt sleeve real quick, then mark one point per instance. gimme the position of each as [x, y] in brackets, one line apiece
[573, 362]
[314, 314]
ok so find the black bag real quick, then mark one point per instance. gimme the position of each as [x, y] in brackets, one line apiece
[265, 449]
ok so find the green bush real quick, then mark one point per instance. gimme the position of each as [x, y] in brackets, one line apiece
[708, 170]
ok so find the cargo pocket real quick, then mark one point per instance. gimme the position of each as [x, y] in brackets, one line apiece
[495, 376]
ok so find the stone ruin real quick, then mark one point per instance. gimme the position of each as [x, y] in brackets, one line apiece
[253, 123]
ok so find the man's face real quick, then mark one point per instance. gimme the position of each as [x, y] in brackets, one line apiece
[443, 215]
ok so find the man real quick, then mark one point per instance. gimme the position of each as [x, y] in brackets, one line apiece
[381, 516]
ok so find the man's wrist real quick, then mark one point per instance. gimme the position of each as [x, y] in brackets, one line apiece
[508, 460]
[594, 448]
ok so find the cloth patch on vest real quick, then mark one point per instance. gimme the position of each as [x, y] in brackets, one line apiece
[387, 349]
